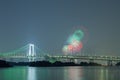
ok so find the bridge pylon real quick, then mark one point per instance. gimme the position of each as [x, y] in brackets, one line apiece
[31, 51]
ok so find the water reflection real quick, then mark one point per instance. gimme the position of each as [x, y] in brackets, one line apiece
[14, 73]
[103, 74]
[60, 73]
[31, 73]
[73, 73]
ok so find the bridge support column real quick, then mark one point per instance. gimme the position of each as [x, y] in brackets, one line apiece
[109, 63]
[31, 59]
[91, 61]
[71, 60]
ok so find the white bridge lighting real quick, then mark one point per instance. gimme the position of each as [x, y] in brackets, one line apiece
[31, 50]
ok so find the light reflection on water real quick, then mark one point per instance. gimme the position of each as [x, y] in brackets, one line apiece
[31, 73]
[103, 74]
[73, 73]
[60, 73]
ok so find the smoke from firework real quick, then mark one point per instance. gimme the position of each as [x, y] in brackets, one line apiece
[74, 43]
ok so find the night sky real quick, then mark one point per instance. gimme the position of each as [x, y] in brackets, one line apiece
[48, 24]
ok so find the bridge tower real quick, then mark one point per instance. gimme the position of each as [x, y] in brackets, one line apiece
[31, 51]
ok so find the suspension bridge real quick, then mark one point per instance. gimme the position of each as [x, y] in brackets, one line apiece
[31, 53]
